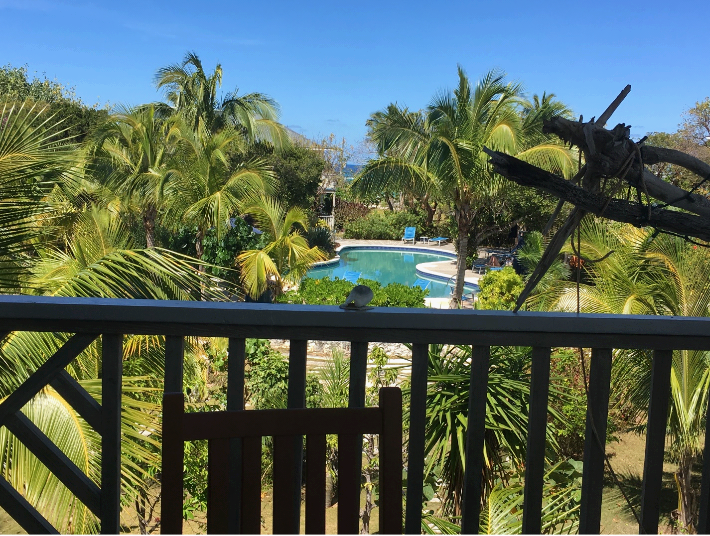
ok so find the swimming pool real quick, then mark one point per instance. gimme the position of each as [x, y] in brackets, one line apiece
[387, 266]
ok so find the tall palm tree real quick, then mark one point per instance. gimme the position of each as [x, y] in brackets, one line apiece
[136, 141]
[193, 94]
[204, 190]
[31, 166]
[286, 258]
[659, 275]
[441, 151]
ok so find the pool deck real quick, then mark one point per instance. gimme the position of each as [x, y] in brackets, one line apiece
[445, 269]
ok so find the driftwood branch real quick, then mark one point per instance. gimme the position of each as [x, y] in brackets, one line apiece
[610, 154]
[603, 118]
[614, 154]
[615, 209]
[654, 155]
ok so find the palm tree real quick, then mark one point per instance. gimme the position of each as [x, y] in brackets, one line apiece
[441, 151]
[193, 95]
[205, 191]
[136, 142]
[506, 416]
[31, 166]
[286, 258]
[100, 261]
[659, 275]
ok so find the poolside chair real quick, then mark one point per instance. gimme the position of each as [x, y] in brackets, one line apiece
[409, 234]
[439, 240]
[422, 283]
[351, 276]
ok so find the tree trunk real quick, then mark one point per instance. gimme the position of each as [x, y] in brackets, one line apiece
[462, 241]
[687, 503]
[429, 210]
[328, 488]
[151, 212]
[199, 250]
[389, 202]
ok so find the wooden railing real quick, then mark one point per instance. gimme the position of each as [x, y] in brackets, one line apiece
[88, 319]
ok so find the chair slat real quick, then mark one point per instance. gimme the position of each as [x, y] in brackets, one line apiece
[217, 486]
[655, 441]
[391, 462]
[315, 484]
[283, 489]
[535, 455]
[475, 433]
[172, 464]
[595, 441]
[349, 484]
[111, 372]
[251, 485]
[417, 423]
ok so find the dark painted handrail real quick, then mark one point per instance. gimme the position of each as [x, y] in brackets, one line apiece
[88, 317]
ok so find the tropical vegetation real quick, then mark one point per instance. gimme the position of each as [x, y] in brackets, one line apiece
[210, 198]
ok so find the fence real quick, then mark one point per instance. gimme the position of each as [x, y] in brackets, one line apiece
[88, 319]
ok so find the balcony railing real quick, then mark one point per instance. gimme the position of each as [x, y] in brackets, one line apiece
[88, 319]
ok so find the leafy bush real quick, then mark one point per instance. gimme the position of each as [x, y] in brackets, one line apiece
[327, 292]
[348, 211]
[222, 252]
[384, 225]
[499, 289]
[266, 378]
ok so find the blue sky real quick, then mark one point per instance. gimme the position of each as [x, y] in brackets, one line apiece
[331, 64]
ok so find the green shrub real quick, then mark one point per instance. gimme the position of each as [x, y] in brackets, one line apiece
[327, 292]
[348, 211]
[499, 289]
[384, 225]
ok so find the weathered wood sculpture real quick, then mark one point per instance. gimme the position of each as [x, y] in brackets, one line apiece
[613, 163]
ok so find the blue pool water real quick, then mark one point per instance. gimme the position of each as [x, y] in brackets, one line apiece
[386, 266]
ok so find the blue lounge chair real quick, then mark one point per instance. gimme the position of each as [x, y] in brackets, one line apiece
[422, 283]
[409, 233]
[439, 240]
[351, 276]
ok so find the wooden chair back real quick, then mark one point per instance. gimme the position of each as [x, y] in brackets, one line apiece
[286, 426]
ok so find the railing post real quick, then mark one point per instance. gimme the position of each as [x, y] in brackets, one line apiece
[356, 399]
[298, 355]
[174, 353]
[235, 402]
[475, 435]
[655, 441]
[535, 453]
[417, 429]
[595, 441]
[172, 429]
[111, 376]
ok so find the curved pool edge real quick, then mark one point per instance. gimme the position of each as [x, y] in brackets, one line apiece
[424, 271]
[421, 269]
[336, 259]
